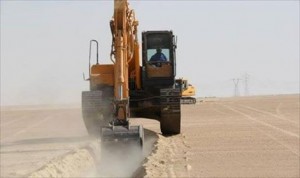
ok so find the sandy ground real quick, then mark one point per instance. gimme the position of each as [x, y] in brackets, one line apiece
[51, 141]
[235, 137]
[32, 137]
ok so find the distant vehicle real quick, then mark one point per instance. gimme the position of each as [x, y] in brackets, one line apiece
[187, 91]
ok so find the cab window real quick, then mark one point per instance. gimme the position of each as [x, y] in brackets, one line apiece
[152, 52]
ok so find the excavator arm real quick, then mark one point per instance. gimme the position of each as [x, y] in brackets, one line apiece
[106, 107]
[124, 54]
[126, 62]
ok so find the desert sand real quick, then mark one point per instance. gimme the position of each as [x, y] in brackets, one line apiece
[34, 137]
[233, 137]
[221, 137]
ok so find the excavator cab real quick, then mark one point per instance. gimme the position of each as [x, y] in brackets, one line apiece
[159, 62]
[158, 82]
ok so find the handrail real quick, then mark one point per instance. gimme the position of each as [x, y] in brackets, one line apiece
[97, 60]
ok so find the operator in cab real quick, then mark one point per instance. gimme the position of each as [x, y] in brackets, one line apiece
[158, 56]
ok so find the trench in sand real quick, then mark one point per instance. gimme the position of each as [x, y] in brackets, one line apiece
[88, 161]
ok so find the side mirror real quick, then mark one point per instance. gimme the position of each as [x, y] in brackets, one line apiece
[85, 78]
[175, 42]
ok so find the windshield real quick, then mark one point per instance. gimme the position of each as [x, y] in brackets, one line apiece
[153, 55]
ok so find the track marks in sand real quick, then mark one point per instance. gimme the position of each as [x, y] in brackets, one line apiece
[25, 129]
[270, 126]
[262, 122]
[13, 121]
[170, 158]
[271, 114]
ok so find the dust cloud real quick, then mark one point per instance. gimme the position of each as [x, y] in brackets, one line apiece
[119, 159]
[123, 159]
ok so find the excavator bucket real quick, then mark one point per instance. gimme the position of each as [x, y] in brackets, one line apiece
[121, 150]
[122, 134]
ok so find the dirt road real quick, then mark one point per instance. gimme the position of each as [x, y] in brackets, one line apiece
[236, 137]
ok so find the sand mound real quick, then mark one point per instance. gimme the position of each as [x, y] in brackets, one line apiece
[72, 164]
[163, 161]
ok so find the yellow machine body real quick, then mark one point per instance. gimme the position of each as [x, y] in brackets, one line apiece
[188, 91]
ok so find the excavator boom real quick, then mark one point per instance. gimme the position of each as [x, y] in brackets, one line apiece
[124, 29]
[107, 104]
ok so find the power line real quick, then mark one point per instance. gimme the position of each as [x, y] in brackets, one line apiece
[236, 86]
[246, 80]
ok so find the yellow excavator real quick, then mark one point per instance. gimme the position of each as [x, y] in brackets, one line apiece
[187, 90]
[127, 88]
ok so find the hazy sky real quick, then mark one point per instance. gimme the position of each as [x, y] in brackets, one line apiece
[44, 45]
